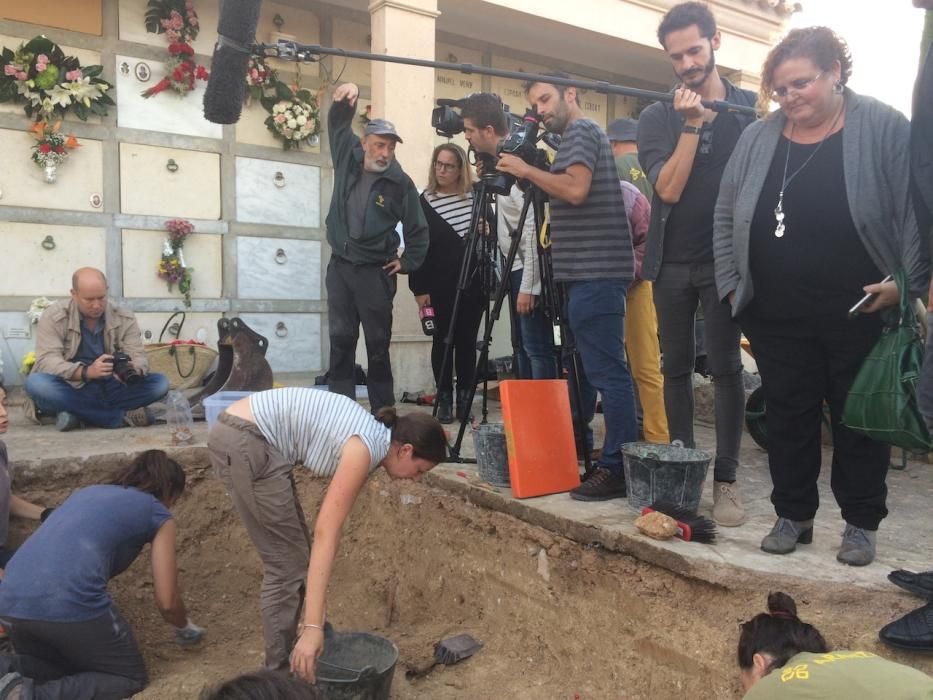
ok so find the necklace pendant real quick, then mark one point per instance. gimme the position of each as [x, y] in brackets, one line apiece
[779, 217]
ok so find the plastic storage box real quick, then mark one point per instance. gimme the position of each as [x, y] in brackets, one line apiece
[215, 404]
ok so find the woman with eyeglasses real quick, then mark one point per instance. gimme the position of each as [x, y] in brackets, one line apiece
[447, 202]
[813, 212]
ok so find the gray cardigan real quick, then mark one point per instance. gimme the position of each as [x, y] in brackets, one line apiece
[876, 161]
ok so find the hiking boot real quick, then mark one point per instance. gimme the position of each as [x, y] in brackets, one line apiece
[602, 485]
[66, 421]
[445, 407]
[728, 510]
[137, 418]
[786, 535]
[858, 546]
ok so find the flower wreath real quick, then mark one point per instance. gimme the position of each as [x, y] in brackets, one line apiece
[172, 267]
[179, 22]
[293, 115]
[261, 78]
[51, 83]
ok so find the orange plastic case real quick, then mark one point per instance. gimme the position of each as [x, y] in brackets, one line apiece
[539, 437]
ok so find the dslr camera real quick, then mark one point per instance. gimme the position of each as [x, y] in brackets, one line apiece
[521, 141]
[124, 370]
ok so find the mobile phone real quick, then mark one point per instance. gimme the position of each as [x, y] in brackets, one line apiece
[865, 300]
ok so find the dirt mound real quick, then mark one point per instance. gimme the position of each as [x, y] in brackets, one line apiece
[558, 619]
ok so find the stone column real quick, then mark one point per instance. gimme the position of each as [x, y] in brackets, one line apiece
[405, 96]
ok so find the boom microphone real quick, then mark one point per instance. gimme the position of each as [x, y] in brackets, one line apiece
[226, 88]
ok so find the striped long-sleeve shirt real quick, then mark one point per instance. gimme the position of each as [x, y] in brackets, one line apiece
[311, 426]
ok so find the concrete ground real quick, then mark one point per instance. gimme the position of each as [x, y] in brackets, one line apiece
[904, 540]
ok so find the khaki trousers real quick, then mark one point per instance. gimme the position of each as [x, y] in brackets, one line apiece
[260, 482]
[644, 359]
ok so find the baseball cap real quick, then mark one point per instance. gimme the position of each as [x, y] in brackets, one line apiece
[381, 127]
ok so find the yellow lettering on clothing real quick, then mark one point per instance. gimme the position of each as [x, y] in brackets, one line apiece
[800, 672]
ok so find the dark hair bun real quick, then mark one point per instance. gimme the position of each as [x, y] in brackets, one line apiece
[779, 602]
[387, 416]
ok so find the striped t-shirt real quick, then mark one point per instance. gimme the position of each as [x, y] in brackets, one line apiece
[311, 426]
[591, 240]
[455, 209]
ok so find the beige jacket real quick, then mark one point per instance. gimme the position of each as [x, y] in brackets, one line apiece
[59, 334]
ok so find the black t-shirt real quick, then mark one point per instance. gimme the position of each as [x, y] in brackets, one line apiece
[688, 237]
[819, 266]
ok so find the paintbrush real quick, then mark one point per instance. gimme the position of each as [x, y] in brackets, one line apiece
[690, 526]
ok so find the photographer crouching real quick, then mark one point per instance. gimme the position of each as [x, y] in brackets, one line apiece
[592, 257]
[90, 365]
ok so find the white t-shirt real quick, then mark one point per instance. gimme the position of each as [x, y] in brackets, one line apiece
[311, 426]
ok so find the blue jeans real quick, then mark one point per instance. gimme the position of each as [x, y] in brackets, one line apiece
[537, 358]
[596, 315]
[100, 402]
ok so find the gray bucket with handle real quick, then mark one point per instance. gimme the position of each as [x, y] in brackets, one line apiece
[356, 666]
[670, 473]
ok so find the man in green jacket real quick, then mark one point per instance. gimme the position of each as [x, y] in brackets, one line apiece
[372, 194]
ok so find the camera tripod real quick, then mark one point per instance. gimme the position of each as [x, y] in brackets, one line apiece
[479, 259]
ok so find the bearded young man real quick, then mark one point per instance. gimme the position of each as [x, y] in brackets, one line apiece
[683, 149]
[591, 253]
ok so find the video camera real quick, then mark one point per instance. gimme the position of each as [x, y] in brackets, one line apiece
[521, 141]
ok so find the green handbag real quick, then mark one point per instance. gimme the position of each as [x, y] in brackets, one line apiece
[882, 402]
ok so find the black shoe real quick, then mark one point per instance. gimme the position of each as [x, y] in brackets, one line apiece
[914, 631]
[445, 407]
[601, 485]
[464, 405]
[920, 584]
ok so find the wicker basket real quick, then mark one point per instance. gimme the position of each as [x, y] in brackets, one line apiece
[184, 362]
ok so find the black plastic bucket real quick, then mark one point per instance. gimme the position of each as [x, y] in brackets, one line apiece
[356, 666]
[669, 473]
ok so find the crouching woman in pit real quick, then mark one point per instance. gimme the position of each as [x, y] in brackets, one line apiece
[255, 445]
[781, 656]
[70, 639]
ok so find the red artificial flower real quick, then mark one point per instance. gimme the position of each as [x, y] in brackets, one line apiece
[44, 148]
[180, 48]
[178, 75]
[59, 149]
[157, 88]
[202, 73]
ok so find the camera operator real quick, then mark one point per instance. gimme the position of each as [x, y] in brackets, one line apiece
[485, 126]
[90, 365]
[592, 256]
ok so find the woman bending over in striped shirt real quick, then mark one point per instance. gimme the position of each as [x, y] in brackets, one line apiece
[256, 444]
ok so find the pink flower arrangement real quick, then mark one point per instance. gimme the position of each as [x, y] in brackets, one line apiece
[179, 22]
[51, 84]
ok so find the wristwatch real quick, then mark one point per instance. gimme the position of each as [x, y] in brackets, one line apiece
[692, 129]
